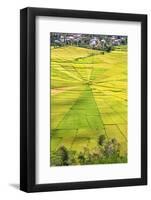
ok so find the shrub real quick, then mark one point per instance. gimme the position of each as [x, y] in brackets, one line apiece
[60, 157]
[108, 49]
[112, 148]
[81, 158]
[101, 140]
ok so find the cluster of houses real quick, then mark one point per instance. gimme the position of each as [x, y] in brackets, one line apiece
[87, 40]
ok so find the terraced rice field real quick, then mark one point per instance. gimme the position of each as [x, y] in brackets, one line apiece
[88, 97]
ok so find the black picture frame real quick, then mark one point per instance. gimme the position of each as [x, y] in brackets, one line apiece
[28, 99]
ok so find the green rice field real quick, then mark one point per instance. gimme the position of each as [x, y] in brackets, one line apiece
[88, 93]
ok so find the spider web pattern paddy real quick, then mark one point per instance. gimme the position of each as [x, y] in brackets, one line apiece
[88, 97]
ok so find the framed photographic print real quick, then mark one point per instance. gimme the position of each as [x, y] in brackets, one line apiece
[83, 96]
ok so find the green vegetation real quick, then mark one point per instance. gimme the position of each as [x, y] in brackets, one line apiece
[88, 106]
[108, 151]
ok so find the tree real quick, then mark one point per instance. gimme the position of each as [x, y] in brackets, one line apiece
[62, 153]
[81, 158]
[101, 139]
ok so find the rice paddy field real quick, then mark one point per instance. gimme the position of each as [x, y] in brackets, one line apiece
[88, 97]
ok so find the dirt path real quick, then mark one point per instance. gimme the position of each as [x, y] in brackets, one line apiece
[62, 89]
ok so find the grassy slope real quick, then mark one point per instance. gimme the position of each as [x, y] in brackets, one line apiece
[93, 100]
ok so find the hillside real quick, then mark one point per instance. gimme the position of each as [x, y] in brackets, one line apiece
[88, 97]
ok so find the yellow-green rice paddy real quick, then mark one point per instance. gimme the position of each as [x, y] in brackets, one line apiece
[88, 97]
